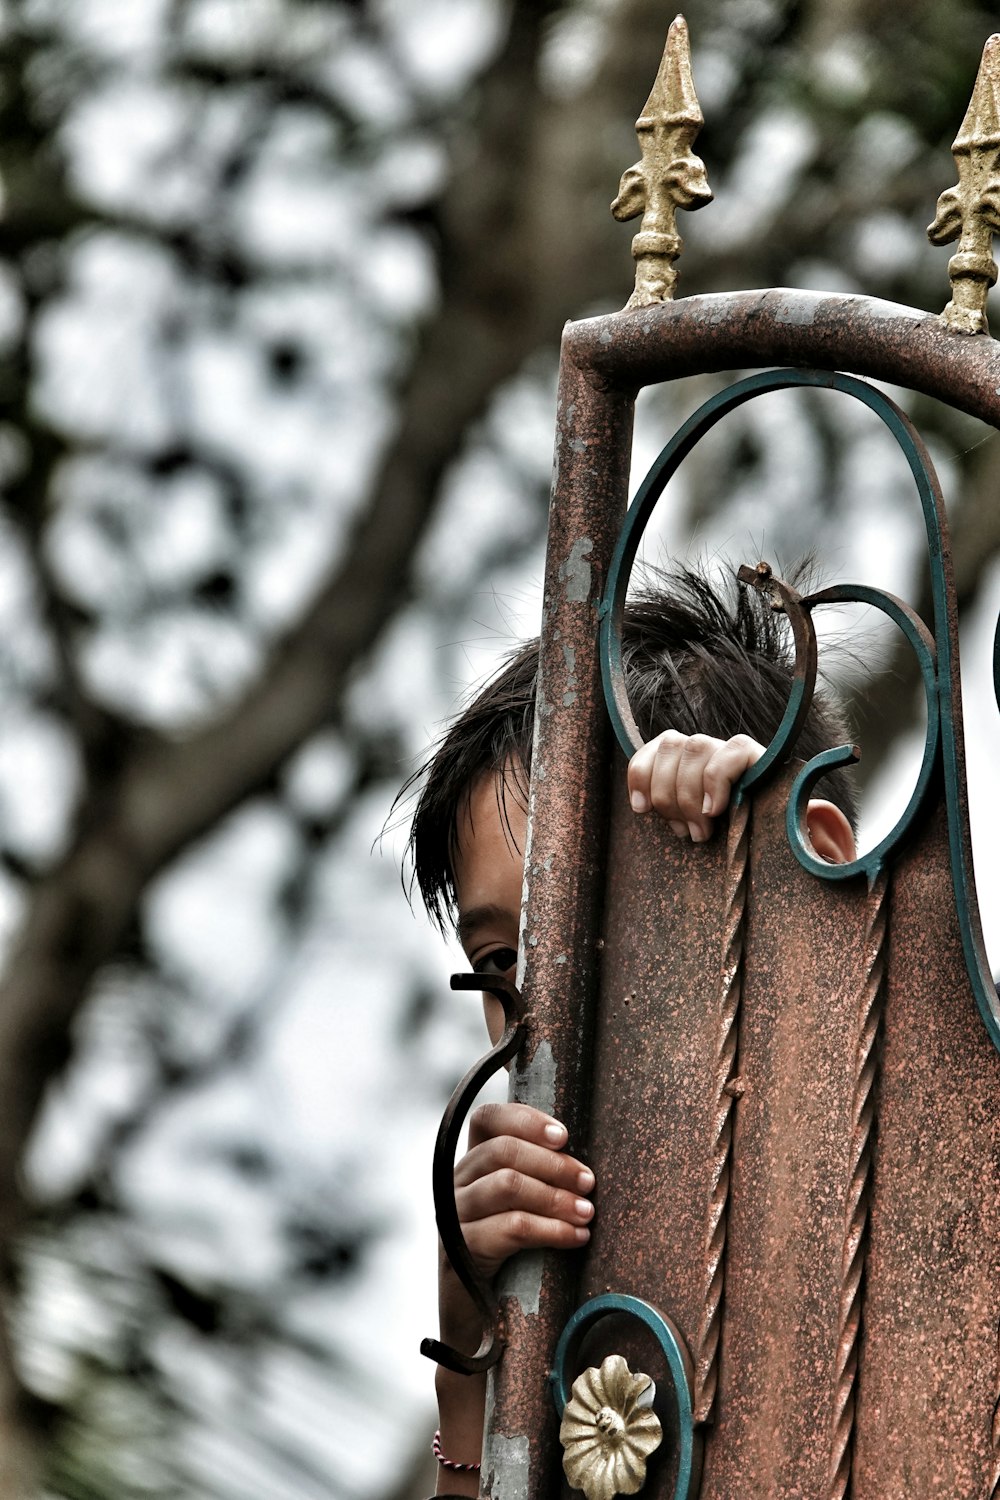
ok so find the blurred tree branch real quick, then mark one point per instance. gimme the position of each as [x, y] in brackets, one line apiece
[522, 239]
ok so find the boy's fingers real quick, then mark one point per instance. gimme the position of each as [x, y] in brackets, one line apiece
[509, 1190]
[519, 1120]
[507, 1152]
[725, 768]
[653, 756]
[689, 785]
[663, 777]
[491, 1241]
[688, 779]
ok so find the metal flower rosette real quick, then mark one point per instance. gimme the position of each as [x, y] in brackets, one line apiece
[609, 1430]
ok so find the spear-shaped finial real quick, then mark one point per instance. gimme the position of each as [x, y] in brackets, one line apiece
[668, 175]
[972, 208]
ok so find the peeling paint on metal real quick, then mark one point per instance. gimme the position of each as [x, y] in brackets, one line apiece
[876, 307]
[569, 657]
[534, 1082]
[575, 571]
[711, 309]
[577, 445]
[794, 312]
[521, 1281]
[569, 698]
[507, 1461]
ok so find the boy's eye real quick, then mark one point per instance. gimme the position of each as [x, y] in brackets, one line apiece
[498, 961]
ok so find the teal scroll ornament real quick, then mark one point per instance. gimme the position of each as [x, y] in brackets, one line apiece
[936, 652]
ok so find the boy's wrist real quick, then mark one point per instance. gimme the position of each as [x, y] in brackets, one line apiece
[461, 1402]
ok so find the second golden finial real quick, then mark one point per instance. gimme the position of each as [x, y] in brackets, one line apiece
[971, 209]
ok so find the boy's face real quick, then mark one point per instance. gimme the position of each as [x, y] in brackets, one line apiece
[489, 865]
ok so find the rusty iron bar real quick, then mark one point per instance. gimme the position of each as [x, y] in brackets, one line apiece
[726, 1093]
[721, 331]
[564, 871]
[857, 1201]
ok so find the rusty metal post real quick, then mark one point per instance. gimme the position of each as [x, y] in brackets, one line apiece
[564, 877]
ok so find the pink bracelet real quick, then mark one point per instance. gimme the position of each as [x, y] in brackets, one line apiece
[449, 1463]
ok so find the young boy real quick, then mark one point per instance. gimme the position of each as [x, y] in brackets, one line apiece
[708, 676]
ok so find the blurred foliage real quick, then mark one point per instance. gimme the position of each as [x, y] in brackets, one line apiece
[281, 284]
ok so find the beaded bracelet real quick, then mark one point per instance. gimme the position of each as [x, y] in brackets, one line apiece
[449, 1463]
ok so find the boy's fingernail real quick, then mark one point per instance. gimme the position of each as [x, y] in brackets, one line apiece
[706, 806]
[584, 1208]
[556, 1134]
[640, 802]
[585, 1181]
[582, 1235]
[698, 835]
[681, 830]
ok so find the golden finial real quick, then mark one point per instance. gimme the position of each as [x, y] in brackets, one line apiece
[668, 176]
[972, 208]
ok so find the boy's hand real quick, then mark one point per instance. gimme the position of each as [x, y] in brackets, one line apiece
[516, 1189]
[688, 778]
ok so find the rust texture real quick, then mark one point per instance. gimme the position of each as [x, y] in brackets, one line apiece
[564, 872]
[750, 330]
[804, 964]
[993, 1487]
[856, 1203]
[932, 1301]
[726, 1091]
[653, 1083]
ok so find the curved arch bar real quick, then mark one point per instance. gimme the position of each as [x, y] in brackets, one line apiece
[920, 638]
[612, 607]
[679, 1364]
[445, 1209]
[725, 331]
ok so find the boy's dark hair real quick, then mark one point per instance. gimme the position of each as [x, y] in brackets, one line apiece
[698, 658]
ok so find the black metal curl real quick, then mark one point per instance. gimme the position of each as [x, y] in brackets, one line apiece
[445, 1208]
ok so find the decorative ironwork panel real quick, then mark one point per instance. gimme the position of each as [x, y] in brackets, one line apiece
[785, 1074]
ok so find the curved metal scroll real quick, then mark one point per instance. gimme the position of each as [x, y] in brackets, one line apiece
[679, 1365]
[940, 676]
[922, 641]
[445, 1210]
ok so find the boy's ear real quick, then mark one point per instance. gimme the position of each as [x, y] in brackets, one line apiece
[830, 833]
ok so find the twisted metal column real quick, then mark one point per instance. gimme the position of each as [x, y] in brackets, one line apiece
[727, 1091]
[857, 1200]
